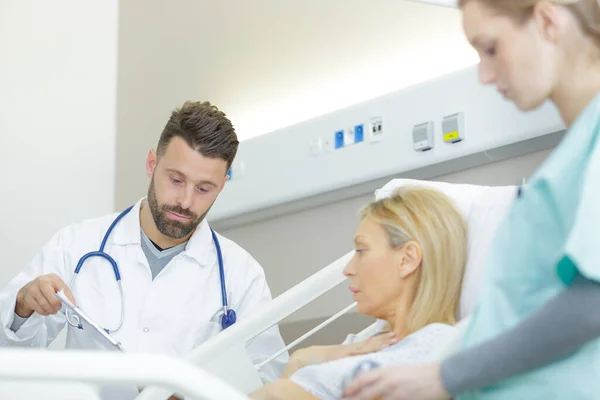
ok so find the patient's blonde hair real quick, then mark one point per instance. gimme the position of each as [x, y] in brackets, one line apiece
[429, 218]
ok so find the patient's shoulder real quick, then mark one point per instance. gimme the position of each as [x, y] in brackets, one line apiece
[431, 333]
[436, 329]
[428, 332]
[423, 341]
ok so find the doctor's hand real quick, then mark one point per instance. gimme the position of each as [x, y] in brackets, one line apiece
[39, 296]
[405, 382]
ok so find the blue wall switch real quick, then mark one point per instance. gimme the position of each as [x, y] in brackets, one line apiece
[339, 139]
[359, 133]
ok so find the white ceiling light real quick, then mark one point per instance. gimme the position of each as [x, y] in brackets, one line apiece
[443, 3]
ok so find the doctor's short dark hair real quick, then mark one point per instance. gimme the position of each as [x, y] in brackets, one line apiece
[205, 128]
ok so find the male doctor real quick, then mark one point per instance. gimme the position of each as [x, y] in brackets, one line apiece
[166, 255]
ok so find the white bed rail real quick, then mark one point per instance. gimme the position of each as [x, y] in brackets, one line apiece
[113, 369]
[218, 369]
[35, 373]
[307, 334]
[225, 355]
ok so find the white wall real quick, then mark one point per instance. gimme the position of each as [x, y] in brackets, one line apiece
[57, 119]
[269, 63]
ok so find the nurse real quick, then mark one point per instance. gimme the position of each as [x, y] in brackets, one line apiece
[534, 334]
[168, 259]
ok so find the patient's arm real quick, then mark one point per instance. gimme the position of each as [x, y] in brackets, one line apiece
[327, 380]
[555, 331]
[320, 354]
[282, 389]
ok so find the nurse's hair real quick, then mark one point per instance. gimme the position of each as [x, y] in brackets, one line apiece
[204, 128]
[429, 218]
[586, 12]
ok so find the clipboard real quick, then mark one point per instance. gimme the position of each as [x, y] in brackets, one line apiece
[106, 337]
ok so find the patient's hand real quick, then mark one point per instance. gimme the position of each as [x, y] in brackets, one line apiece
[320, 354]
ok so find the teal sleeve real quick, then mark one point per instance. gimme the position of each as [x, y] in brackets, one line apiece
[555, 331]
[582, 248]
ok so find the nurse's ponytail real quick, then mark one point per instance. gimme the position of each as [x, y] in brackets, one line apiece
[587, 12]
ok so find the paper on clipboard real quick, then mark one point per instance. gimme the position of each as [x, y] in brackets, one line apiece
[89, 325]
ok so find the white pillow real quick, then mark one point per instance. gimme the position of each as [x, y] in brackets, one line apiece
[484, 208]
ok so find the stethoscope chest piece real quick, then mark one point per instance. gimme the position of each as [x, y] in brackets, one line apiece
[229, 318]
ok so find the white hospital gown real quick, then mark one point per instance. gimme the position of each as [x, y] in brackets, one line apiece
[326, 381]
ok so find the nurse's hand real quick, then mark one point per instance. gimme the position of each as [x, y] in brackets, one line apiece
[39, 296]
[406, 382]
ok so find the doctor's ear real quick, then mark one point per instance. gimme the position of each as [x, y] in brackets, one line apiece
[151, 162]
[411, 256]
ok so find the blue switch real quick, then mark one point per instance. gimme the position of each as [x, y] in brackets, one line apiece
[359, 133]
[339, 139]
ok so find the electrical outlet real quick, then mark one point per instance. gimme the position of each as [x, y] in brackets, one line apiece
[350, 136]
[376, 129]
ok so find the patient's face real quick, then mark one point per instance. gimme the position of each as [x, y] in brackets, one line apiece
[375, 279]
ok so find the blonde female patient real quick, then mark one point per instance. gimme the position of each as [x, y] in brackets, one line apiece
[410, 255]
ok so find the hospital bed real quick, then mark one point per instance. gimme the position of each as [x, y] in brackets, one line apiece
[221, 365]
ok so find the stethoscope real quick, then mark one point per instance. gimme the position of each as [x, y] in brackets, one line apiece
[227, 319]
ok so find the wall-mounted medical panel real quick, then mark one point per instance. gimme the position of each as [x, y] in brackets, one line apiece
[352, 151]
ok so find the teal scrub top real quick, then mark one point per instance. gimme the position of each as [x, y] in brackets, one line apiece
[550, 235]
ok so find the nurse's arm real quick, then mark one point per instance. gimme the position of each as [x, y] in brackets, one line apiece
[557, 330]
[36, 330]
[282, 389]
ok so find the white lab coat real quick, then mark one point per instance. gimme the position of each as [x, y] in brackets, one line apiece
[172, 314]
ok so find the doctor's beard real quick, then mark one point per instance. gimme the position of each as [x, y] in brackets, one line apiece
[165, 225]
